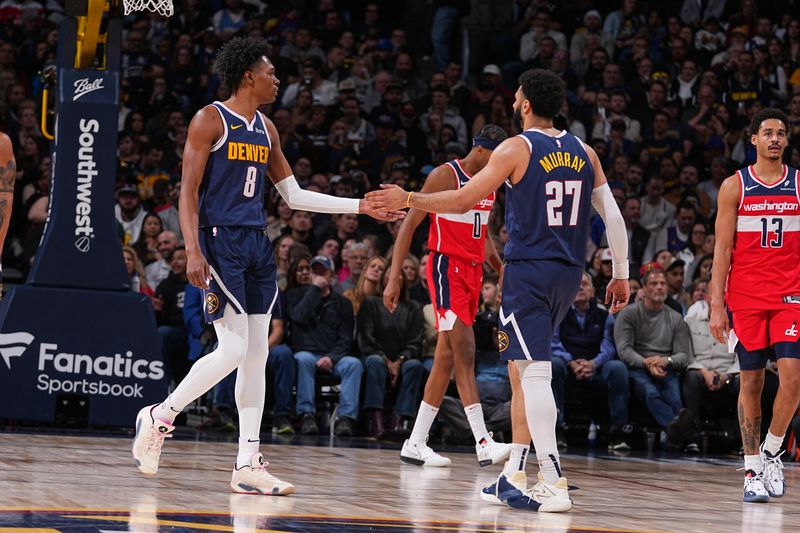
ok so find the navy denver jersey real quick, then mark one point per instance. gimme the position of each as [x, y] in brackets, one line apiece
[232, 190]
[548, 210]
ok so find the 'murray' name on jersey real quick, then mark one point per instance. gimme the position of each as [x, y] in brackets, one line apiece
[256, 153]
[562, 159]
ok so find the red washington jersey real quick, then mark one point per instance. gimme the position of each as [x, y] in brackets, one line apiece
[461, 235]
[765, 263]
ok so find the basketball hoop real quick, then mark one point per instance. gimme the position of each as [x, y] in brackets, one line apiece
[162, 7]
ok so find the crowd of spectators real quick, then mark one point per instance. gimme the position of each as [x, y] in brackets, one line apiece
[381, 92]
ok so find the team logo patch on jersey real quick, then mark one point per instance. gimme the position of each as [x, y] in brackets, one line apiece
[212, 303]
[502, 341]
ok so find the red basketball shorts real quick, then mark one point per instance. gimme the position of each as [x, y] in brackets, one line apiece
[455, 288]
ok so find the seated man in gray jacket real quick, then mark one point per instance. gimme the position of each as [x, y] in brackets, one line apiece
[711, 380]
[653, 340]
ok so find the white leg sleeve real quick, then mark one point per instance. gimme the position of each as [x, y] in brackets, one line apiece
[208, 371]
[251, 378]
[540, 410]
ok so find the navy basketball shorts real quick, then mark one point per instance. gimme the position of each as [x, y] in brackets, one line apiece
[757, 335]
[536, 296]
[242, 270]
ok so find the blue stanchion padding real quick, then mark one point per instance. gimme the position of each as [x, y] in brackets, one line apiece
[67, 341]
[80, 247]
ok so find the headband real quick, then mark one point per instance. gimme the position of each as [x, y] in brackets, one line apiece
[485, 142]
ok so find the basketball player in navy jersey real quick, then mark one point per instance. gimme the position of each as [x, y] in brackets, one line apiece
[552, 182]
[231, 147]
[459, 245]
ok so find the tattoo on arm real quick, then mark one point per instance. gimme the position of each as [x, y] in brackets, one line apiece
[8, 175]
[751, 430]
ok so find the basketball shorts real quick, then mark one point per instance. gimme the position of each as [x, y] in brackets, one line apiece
[455, 289]
[536, 297]
[760, 334]
[242, 270]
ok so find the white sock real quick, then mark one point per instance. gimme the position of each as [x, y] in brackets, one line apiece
[251, 386]
[541, 412]
[422, 425]
[475, 416]
[247, 449]
[772, 444]
[753, 462]
[517, 459]
[164, 411]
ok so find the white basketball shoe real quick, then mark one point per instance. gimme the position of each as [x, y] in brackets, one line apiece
[150, 435]
[754, 489]
[423, 455]
[254, 479]
[544, 497]
[491, 452]
[773, 473]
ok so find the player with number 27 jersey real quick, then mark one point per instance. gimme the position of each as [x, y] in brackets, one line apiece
[547, 219]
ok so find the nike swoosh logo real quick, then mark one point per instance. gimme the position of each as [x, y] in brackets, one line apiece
[236, 127]
[750, 187]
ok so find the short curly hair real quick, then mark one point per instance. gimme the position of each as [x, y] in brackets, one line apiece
[494, 132]
[766, 114]
[544, 90]
[236, 57]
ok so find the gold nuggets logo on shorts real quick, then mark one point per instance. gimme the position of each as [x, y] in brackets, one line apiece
[502, 340]
[212, 303]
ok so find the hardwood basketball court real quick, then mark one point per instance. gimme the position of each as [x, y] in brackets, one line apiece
[76, 484]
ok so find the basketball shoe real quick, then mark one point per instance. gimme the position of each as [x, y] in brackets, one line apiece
[544, 497]
[754, 489]
[491, 452]
[150, 435]
[506, 486]
[415, 454]
[773, 473]
[254, 479]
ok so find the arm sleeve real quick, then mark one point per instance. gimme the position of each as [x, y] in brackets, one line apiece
[300, 199]
[605, 205]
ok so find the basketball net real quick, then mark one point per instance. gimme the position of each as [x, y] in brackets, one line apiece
[162, 7]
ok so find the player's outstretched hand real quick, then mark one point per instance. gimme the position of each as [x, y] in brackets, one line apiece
[718, 324]
[197, 270]
[618, 292]
[391, 294]
[368, 208]
[387, 198]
